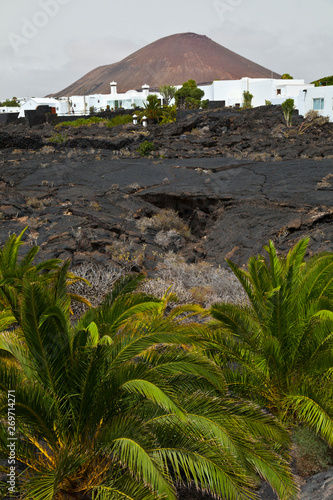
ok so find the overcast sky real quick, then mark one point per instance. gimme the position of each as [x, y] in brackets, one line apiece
[46, 45]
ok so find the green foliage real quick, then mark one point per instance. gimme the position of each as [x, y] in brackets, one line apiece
[283, 342]
[169, 114]
[247, 99]
[168, 93]
[189, 96]
[10, 103]
[152, 109]
[267, 102]
[119, 120]
[58, 138]
[81, 122]
[328, 80]
[288, 109]
[146, 148]
[312, 118]
[119, 405]
[15, 272]
[286, 76]
[88, 122]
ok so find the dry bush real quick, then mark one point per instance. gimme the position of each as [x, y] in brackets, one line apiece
[94, 205]
[313, 116]
[158, 287]
[195, 283]
[34, 202]
[101, 279]
[165, 220]
[134, 186]
[325, 182]
[124, 253]
[167, 238]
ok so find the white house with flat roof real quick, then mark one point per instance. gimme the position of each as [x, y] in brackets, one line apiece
[81, 105]
[9, 109]
[306, 96]
[56, 105]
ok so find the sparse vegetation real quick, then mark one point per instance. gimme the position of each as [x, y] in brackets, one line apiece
[94, 205]
[165, 220]
[146, 148]
[119, 120]
[199, 282]
[34, 202]
[311, 453]
[58, 138]
[247, 99]
[81, 122]
[288, 109]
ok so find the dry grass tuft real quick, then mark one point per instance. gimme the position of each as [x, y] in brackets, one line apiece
[194, 283]
[165, 220]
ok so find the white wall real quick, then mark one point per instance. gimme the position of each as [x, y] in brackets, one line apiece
[33, 103]
[9, 109]
[325, 93]
[262, 89]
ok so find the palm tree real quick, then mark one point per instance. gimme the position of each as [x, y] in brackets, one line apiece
[152, 109]
[278, 349]
[125, 413]
[14, 270]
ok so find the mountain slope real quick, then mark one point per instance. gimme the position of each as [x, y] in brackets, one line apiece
[171, 60]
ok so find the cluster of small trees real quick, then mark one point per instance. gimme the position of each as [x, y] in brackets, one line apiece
[189, 96]
[133, 397]
[10, 103]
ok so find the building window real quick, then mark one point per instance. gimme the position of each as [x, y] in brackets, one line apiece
[318, 103]
[278, 92]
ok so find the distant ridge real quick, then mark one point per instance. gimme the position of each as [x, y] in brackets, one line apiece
[171, 60]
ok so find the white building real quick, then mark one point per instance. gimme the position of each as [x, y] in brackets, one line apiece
[9, 109]
[318, 98]
[81, 105]
[306, 96]
[57, 106]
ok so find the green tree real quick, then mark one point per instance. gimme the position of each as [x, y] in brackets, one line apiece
[327, 80]
[281, 344]
[118, 409]
[11, 103]
[288, 109]
[189, 96]
[168, 93]
[286, 76]
[152, 109]
[247, 99]
[14, 271]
